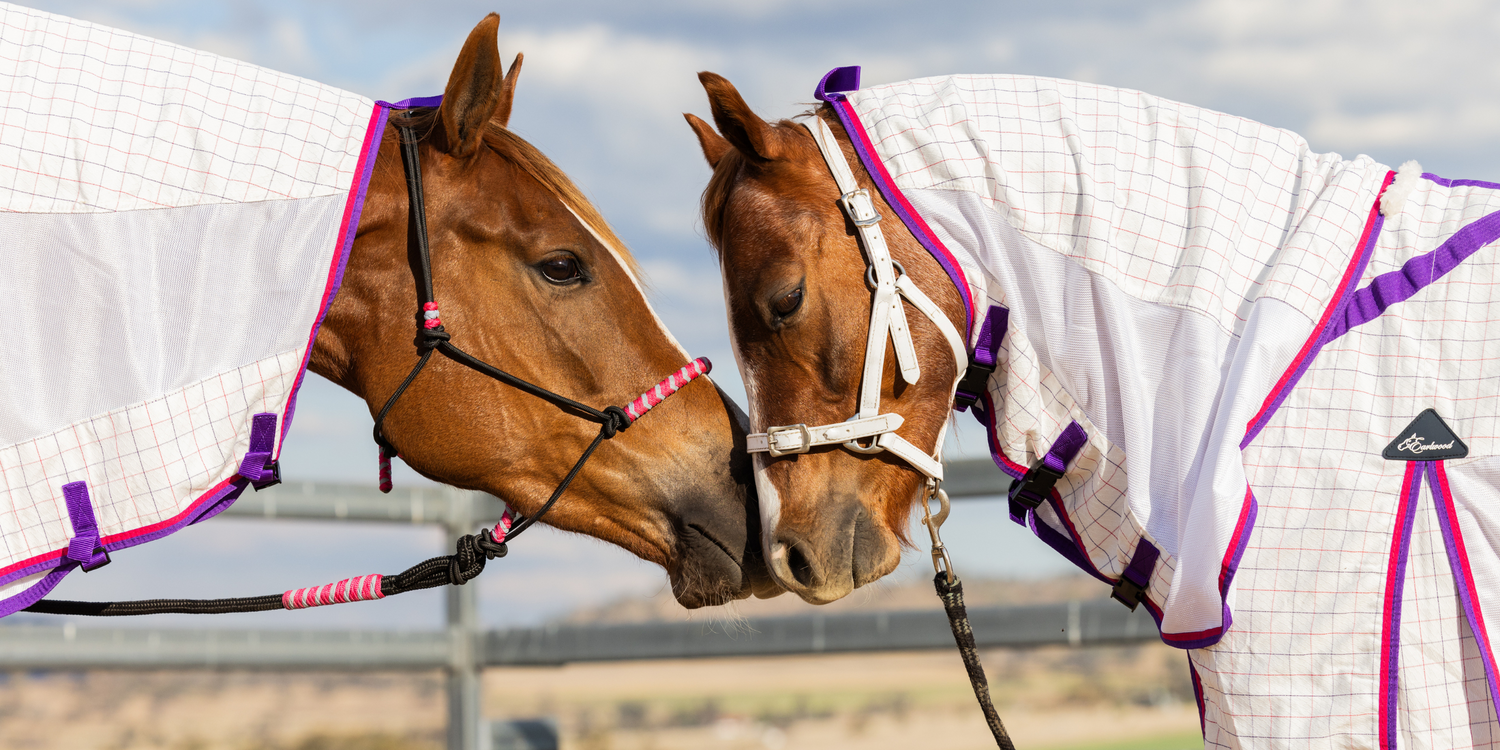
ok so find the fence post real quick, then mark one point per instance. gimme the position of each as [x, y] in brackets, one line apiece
[463, 673]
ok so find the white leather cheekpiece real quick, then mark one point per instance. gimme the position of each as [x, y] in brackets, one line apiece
[887, 320]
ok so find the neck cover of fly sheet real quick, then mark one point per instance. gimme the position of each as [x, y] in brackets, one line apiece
[1285, 364]
[176, 225]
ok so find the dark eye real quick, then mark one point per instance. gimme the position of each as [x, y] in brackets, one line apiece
[561, 270]
[787, 303]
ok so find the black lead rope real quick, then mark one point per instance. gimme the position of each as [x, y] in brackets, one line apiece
[952, 595]
[473, 549]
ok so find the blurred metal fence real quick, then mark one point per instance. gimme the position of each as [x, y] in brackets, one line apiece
[463, 650]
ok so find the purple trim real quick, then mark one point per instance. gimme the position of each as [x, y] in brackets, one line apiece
[1462, 575]
[257, 465]
[898, 203]
[1198, 696]
[1037, 484]
[413, 102]
[34, 594]
[1066, 448]
[377, 130]
[1445, 182]
[1398, 286]
[838, 79]
[84, 547]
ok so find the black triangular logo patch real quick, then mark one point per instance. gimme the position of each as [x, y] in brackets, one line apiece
[1427, 438]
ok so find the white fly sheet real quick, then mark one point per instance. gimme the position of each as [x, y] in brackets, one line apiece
[1245, 337]
[175, 226]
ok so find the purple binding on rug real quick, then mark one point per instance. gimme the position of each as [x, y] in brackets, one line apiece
[1394, 287]
[257, 465]
[837, 80]
[416, 101]
[84, 547]
[1395, 584]
[1447, 183]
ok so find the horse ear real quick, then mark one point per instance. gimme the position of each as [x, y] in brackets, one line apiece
[508, 92]
[474, 89]
[740, 125]
[714, 146]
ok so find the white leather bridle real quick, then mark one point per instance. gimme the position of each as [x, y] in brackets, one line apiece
[887, 318]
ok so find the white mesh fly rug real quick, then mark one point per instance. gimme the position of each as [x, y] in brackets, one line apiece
[1251, 335]
[175, 226]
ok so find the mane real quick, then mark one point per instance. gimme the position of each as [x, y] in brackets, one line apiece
[516, 150]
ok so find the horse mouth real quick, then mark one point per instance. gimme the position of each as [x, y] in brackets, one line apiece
[708, 573]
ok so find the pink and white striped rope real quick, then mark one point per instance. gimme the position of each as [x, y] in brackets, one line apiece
[667, 387]
[430, 317]
[502, 526]
[385, 470]
[358, 589]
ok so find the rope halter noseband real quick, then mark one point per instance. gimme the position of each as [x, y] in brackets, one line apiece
[887, 320]
[431, 337]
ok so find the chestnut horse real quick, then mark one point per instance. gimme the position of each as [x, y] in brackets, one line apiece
[831, 520]
[533, 279]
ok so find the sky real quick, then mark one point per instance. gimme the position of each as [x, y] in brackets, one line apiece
[602, 91]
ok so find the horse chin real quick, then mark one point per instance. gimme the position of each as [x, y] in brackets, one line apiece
[706, 573]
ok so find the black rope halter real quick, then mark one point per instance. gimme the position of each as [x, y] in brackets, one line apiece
[473, 550]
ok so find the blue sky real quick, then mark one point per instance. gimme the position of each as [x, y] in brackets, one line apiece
[602, 92]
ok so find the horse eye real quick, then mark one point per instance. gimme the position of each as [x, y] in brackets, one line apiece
[788, 303]
[561, 270]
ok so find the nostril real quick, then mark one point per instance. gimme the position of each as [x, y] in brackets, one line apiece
[801, 566]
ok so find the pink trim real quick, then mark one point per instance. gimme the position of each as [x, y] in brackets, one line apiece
[1310, 348]
[369, 152]
[1390, 626]
[913, 220]
[668, 386]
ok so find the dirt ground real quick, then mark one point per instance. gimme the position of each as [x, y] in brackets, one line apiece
[1120, 698]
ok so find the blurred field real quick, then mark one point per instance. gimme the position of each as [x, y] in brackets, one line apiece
[1128, 698]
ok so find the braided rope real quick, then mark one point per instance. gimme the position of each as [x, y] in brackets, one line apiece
[674, 382]
[357, 589]
[430, 317]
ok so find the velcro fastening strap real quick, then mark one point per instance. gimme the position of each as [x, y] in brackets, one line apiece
[799, 438]
[1035, 486]
[982, 361]
[84, 547]
[1131, 590]
[257, 465]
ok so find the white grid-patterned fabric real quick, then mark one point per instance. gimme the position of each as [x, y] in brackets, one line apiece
[1165, 267]
[175, 224]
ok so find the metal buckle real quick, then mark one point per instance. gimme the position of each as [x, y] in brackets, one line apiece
[798, 428]
[861, 214]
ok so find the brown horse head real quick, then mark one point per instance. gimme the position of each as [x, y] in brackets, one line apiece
[799, 311]
[532, 280]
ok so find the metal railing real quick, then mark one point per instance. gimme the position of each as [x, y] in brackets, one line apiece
[463, 650]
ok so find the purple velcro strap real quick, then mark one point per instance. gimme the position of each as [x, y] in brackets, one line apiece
[257, 465]
[838, 79]
[1034, 487]
[982, 362]
[416, 101]
[84, 547]
[1067, 446]
[1142, 563]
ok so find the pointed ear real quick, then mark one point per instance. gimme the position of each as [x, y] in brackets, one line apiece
[714, 146]
[508, 92]
[744, 129]
[473, 89]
